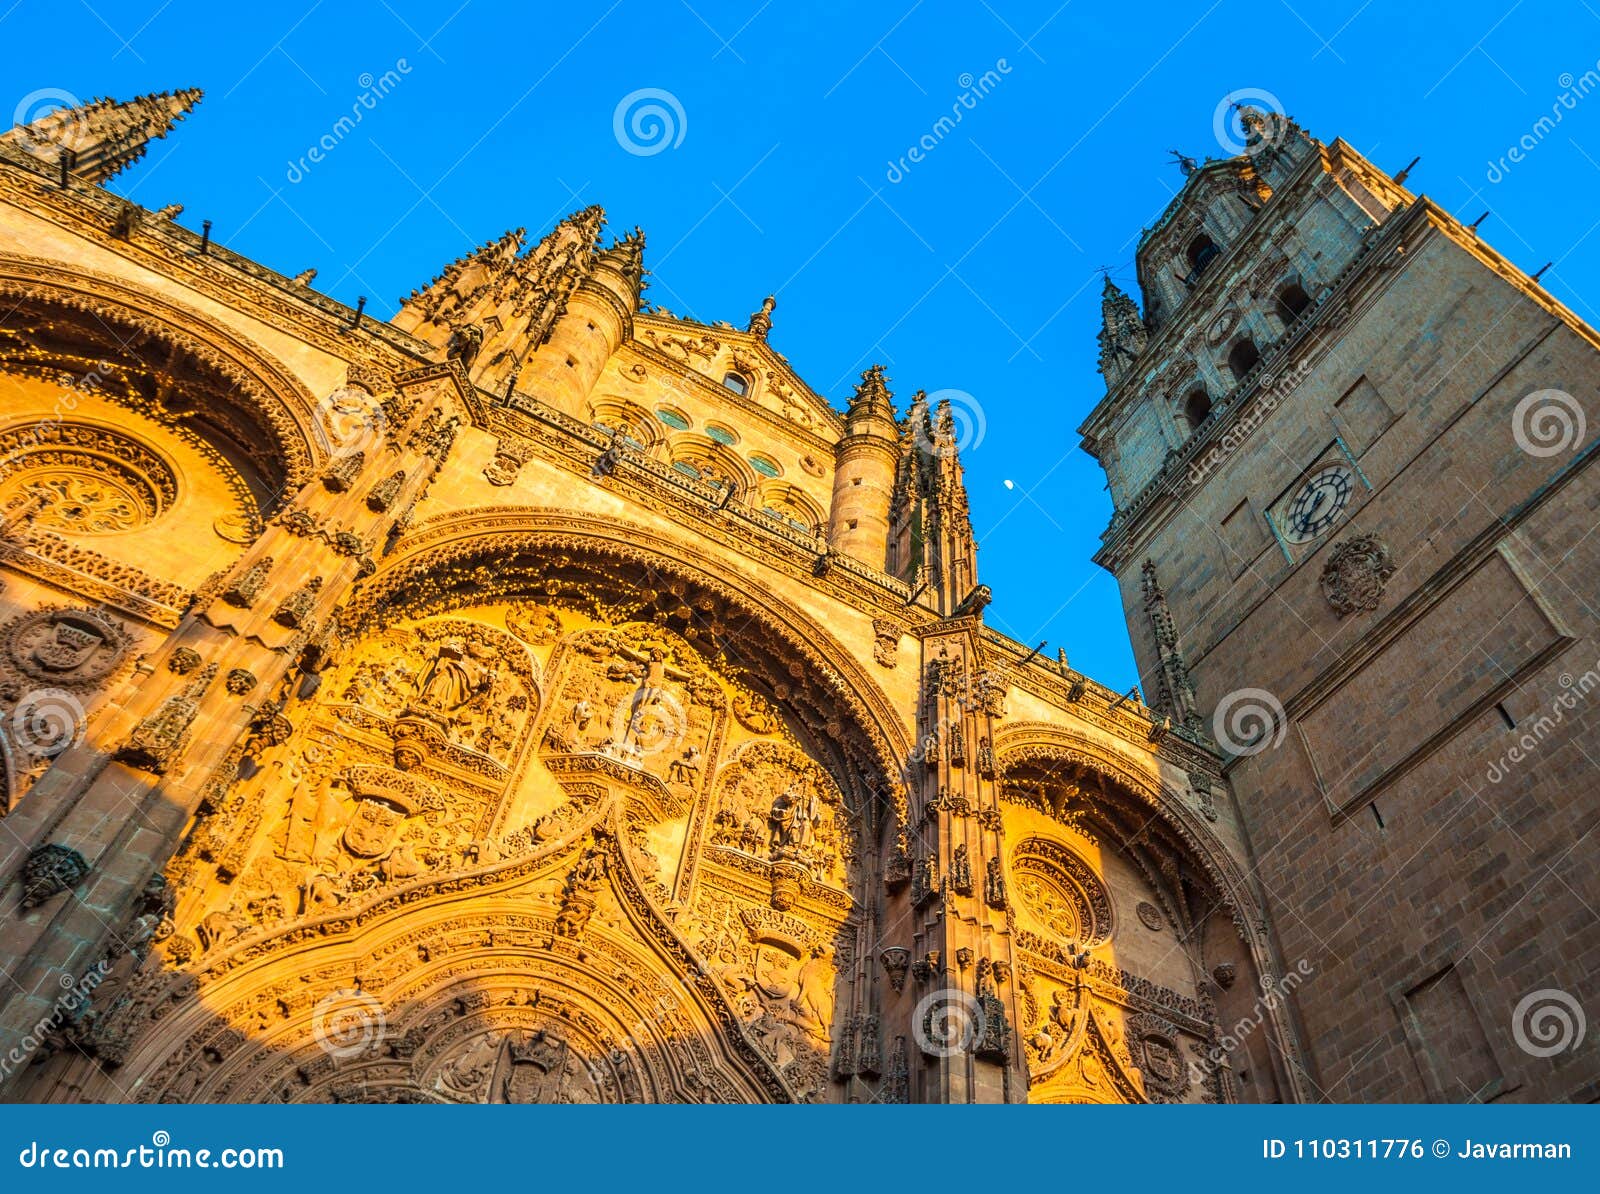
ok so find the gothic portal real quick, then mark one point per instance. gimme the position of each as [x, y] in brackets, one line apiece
[543, 698]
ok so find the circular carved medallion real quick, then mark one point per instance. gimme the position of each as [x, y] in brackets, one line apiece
[1150, 916]
[81, 480]
[65, 647]
[1062, 892]
[1355, 575]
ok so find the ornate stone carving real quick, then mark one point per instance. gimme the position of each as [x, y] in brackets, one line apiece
[1150, 916]
[1062, 892]
[66, 648]
[296, 608]
[248, 584]
[385, 491]
[239, 681]
[896, 960]
[183, 660]
[50, 870]
[343, 470]
[1354, 577]
[510, 455]
[885, 642]
[160, 738]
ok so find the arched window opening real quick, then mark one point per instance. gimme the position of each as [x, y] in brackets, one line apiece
[1202, 252]
[1292, 302]
[1197, 408]
[1243, 358]
[737, 382]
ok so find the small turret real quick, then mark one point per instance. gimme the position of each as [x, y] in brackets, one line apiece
[864, 468]
[594, 321]
[103, 137]
[1122, 333]
[761, 321]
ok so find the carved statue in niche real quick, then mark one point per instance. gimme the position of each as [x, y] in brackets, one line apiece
[457, 675]
[799, 824]
[521, 1066]
[638, 694]
[781, 981]
[448, 688]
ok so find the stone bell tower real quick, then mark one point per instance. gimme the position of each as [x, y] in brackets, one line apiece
[1349, 448]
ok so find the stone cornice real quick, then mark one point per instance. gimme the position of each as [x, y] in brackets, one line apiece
[220, 274]
[1097, 705]
[562, 440]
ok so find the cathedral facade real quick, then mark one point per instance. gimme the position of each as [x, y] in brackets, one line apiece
[543, 698]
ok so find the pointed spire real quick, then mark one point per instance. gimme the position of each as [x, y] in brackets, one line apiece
[872, 396]
[103, 136]
[1123, 336]
[626, 256]
[761, 321]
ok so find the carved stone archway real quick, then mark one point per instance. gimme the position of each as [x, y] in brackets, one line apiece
[1159, 815]
[258, 405]
[514, 551]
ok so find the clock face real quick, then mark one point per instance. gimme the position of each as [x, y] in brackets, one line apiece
[1318, 504]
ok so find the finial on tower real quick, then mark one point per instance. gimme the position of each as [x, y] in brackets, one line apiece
[1184, 162]
[872, 396]
[761, 321]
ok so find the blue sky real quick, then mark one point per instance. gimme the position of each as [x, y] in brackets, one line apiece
[975, 270]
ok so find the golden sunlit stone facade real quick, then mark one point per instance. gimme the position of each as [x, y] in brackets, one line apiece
[540, 698]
